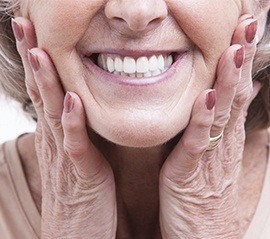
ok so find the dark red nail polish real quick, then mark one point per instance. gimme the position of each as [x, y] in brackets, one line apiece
[17, 30]
[33, 60]
[211, 99]
[68, 103]
[239, 57]
[251, 31]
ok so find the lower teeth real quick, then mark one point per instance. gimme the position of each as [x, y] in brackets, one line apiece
[141, 75]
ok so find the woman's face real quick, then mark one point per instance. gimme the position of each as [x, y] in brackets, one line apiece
[137, 112]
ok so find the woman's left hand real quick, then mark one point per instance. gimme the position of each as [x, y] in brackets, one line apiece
[199, 187]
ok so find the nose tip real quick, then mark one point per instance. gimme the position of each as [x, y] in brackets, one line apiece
[137, 15]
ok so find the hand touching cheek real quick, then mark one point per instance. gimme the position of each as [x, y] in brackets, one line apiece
[78, 189]
[198, 184]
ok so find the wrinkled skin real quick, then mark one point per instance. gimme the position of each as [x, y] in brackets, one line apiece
[159, 114]
[76, 177]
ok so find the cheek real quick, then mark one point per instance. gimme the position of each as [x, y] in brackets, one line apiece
[207, 23]
[61, 24]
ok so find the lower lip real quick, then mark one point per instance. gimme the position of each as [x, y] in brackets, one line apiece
[120, 79]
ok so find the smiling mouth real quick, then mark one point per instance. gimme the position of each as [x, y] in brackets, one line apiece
[135, 66]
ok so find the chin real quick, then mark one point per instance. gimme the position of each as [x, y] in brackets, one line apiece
[139, 133]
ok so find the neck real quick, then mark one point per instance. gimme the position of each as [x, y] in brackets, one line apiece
[133, 164]
[136, 172]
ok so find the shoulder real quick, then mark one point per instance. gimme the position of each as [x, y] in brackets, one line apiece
[6, 149]
[9, 152]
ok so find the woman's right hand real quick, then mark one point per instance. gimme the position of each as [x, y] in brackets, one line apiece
[78, 188]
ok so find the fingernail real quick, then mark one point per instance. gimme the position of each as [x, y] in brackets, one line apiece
[68, 103]
[211, 99]
[33, 60]
[251, 31]
[17, 30]
[239, 57]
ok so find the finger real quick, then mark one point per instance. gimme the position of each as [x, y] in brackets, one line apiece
[50, 89]
[25, 39]
[245, 34]
[87, 159]
[25, 36]
[184, 159]
[256, 88]
[229, 73]
[24, 33]
[241, 119]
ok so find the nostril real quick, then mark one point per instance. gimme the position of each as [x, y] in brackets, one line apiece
[119, 19]
[155, 21]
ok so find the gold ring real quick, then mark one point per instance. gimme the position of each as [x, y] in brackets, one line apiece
[214, 141]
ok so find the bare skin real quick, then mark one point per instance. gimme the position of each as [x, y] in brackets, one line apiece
[191, 179]
[253, 170]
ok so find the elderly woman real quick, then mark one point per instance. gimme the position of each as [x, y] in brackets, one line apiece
[152, 119]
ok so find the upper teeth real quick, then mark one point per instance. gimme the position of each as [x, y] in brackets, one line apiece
[142, 67]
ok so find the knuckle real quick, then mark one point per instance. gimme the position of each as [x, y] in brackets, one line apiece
[32, 90]
[176, 181]
[242, 97]
[21, 48]
[50, 150]
[34, 95]
[56, 124]
[38, 103]
[218, 127]
[230, 162]
[74, 149]
[45, 84]
[38, 133]
[249, 54]
[229, 84]
[193, 149]
[65, 170]
[221, 119]
[203, 122]
[53, 119]
[30, 86]
[72, 125]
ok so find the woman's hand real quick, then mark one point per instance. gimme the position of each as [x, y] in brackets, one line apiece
[199, 187]
[78, 188]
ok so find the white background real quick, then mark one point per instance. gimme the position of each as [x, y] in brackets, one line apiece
[13, 121]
